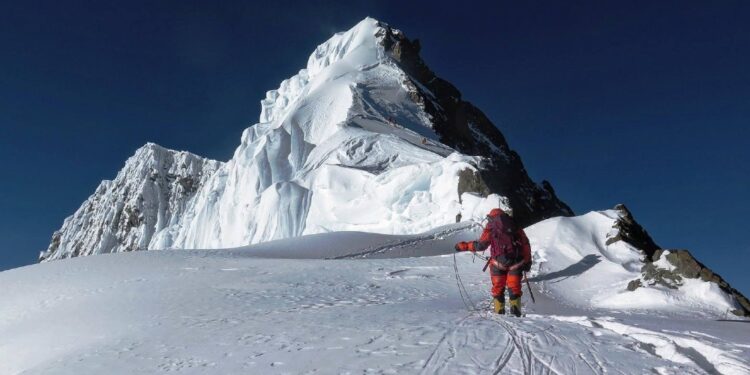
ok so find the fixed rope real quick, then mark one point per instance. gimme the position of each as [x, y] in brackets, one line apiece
[470, 306]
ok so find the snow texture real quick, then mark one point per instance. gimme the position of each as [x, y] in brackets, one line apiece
[357, 303]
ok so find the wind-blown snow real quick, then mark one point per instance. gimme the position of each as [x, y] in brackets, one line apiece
[356, 303]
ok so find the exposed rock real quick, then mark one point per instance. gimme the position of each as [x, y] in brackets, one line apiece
[654, 275]
[630, 231]
[635, 284]
[55, 242]
[471, 182]
[465, 128]
[687, 266]
[680, 264]
[684, 265]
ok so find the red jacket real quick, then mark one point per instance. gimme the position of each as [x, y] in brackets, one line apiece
[484, 242]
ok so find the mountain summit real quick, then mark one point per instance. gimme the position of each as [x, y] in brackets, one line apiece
[365, 138]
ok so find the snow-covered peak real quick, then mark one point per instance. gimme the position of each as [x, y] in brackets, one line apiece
[342, 145]
[365, 137]
[355, 49]
[359, 46]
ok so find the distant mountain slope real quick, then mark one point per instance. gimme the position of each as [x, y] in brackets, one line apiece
[148, 194]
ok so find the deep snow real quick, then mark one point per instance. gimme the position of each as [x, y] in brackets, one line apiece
[385, 304]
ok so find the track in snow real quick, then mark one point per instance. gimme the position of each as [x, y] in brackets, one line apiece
[208, 312]
[483, 343]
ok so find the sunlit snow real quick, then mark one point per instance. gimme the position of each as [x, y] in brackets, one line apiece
[352, 302]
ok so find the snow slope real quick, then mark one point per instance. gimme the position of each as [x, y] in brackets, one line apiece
[386, 304]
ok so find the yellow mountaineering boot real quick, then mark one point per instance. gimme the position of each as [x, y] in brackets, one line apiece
[515, 306]
[499, 305]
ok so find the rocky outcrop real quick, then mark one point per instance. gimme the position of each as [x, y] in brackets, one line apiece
[666, 267]
[683, 264]
[149, 193]
[630, 231]
[465, 128]
[470, 181]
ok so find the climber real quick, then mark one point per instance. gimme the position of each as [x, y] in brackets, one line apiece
[510, 256]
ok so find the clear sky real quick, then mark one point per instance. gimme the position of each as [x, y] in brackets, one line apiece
[644, 103]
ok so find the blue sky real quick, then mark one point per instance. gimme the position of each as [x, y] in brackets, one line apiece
[643, 103]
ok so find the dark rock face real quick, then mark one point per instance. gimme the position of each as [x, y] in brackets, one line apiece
[633, 233]
[465, 128]
[635, 284]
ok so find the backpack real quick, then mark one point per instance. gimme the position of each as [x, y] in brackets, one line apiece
[506, 248]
